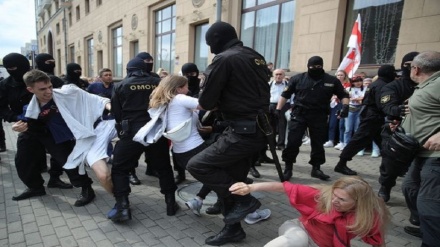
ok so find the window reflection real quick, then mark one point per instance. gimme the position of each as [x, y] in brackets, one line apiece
[380, 20]
[269, 29]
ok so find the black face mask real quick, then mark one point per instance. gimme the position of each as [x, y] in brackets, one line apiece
[193, 85]
[149, 67]
[315, 73]
[20, 62]
[48, 68]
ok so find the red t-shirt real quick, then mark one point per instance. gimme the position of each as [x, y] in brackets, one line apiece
[320, 226]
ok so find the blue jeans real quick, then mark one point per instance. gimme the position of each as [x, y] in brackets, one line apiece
[333, 122]
[351, 125]
[421, 188]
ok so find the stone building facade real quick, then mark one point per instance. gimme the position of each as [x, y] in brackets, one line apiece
[108, 33]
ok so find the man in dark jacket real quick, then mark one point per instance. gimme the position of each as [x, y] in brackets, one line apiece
[313, 91]
[130, 101]
[13, 97]
[236, 84]
[46, 63]
[371, 120]
[393, 96]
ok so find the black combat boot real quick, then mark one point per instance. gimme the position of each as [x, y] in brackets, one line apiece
[172, 207]
[180, 177]
[342, 167]
[132, 177]
[229, 234]
[288, 171]
[242, 206]
[317, 173]
[87, 195]
[214, 209]
[384, 193]
[122, 207]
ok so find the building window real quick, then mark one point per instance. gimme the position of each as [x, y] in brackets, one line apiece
[49, 13]
[117, 51]
[165, 38]
[87, 6]
[44, 39]
[201, 49]
[98, 2]
[78, 13]
[90, 60]
[72, 53]
[267, 27]
[70, 19]
[58, 28]
[57, 5]
[134, 48]
[380, 25]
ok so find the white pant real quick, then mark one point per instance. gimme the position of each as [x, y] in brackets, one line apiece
[292, 234]
[105, 132]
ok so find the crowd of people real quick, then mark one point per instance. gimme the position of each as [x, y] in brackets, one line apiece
[218, 128]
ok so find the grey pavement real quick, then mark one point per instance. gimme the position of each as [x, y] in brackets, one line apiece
[52, 220]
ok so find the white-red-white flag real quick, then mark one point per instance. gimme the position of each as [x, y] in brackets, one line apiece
[352, 59]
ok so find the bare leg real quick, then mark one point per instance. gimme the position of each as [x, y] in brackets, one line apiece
[103, 174]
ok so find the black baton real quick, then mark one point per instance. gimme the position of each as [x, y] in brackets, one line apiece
[264, 124]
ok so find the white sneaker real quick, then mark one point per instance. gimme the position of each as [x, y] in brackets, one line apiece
[360, 153]
[306, 138]
[257, 216]
[375, 154]
[195, 205]
[339, 146]
[329, 144]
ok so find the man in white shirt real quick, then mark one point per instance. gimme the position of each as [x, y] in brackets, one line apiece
[277, 86]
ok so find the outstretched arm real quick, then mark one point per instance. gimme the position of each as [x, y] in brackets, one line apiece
[244, 189]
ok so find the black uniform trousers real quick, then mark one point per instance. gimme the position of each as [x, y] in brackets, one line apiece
[390, 168]
[226, 161]
[279, 122]
[28, 156]
[2, 132]
[317, 124]
[125, 158]
[370, 128]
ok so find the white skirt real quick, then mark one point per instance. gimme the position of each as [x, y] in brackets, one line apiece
[105, 132]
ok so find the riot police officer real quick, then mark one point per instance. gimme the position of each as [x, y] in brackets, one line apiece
[130, 102]
[392, 100]
[236, 84]
[313, 91]
[371, 120]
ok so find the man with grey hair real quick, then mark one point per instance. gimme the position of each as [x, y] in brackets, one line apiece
[421, 186]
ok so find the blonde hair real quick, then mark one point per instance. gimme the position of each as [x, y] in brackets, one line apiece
[369, 209]
[166, 90]
[346, 79]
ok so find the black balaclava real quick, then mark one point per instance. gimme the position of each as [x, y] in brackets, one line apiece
[16, 60]
[71, 74]
[406, 71]
[193, 81]
[41, 59]
[136, 66]
[387, 73]
[218, 35]
[146, 55]
[315, 73]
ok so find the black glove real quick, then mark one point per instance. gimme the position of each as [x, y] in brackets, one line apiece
[344, 111]
[402, 110]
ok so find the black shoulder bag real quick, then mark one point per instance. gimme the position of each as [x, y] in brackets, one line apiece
[401, 146]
